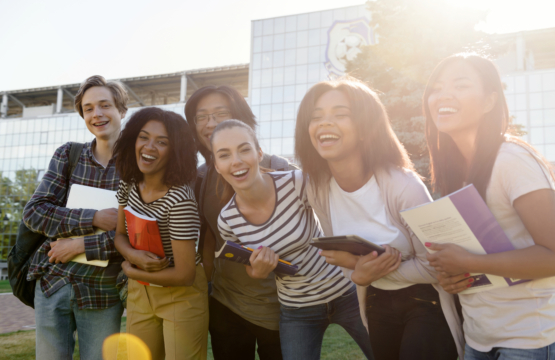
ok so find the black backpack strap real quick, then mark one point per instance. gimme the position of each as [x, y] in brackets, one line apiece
[278, 163]
[75, 150]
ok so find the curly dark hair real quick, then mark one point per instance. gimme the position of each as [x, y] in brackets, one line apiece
[240, 110]
[182, 164]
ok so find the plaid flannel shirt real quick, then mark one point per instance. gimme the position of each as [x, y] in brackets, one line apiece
[94, 287]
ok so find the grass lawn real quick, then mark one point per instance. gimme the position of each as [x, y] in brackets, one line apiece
[5, 286]
[20, 345]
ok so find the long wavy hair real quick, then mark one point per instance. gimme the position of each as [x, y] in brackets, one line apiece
[380, 146]
[448, 168]
[239, 108]
[181, 167]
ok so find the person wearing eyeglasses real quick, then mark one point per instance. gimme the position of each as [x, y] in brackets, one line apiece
[244, 312]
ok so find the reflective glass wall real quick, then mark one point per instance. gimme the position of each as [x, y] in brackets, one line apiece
[531, 100]
[290, 54]
[26, 147]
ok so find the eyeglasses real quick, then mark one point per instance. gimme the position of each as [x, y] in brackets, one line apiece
[218, 117]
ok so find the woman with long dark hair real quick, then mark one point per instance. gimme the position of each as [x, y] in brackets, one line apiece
[360, 178]
[467, 123]
[156, 159]
[269, 211]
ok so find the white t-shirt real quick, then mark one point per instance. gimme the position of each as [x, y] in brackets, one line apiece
[521, 316]
[362, 212]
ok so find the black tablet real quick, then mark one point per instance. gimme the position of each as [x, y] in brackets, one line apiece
[350, 243]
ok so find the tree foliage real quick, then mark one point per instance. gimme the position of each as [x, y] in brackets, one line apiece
[14, 195]
[413, 36]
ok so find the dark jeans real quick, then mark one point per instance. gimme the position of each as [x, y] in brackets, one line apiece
[302, 329]
[408, 324]
[236, 338]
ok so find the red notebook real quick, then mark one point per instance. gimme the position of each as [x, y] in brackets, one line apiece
[144, 234]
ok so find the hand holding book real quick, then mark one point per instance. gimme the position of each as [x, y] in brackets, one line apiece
[263, 261]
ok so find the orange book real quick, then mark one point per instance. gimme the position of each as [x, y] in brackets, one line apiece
[144, 234]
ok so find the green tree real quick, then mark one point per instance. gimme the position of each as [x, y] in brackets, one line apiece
[413, 36]
[14, 195]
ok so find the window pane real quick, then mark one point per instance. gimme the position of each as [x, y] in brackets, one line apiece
[266, 78]
[277, 112]
[549, 83]
[265, 112]
[265, 130]
[549, 117]
[277, 78]
[267, 43]
[256, 78]
[268, 25]
[314, 37]
[275, 146]
[290, 40]
[266, 95]
[302, 39]
[266, 60]
[313, 54]
[289, 111]
[279, 25]
[536, 101]
[288, 128]
[302, 56]
[536, 118]
[289, 93]
[291, 23]
[277, 94]
[300, 91]
[536, 136]
[313, 73]
[279, 42]
[257, 44]
[290, 56]
[534, 83]
[302, 22]
[288, 146]
[276, 129]
[279, 58]
[301, 74]
[257, 28]
[289, 76]
[256, 61]
[314, 20]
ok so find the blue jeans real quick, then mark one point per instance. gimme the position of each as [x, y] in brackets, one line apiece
[544, 353]
[302, 329]
[57, 318]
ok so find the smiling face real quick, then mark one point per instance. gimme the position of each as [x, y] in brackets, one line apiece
[236, 157]
[217, 105]
[102, 117]
[332, 130]
[458, 100]
[152, 148]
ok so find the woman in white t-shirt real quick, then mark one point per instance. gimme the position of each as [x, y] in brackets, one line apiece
[270, 213]
[360, 179]
[466, 127]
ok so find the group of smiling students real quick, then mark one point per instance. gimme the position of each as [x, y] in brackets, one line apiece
[356, 177]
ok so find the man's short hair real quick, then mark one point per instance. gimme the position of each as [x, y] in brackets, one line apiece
[116, 88]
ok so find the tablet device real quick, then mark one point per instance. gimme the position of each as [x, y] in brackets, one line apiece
[350, 243]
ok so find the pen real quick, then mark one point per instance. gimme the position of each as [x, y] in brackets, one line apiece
[282, 261]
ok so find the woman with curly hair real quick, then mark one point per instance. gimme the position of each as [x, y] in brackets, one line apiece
[156, 159]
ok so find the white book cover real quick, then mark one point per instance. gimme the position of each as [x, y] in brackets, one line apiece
[463, 218]
[87, 197]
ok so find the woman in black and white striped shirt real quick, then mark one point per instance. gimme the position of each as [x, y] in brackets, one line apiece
[156, 160]
[270, 212]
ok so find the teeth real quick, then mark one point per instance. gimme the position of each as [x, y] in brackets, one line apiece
[240, 172]
[102, 123]
[328, 136]
[448, 110]
[148, 157]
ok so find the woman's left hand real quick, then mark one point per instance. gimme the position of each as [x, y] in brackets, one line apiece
[127, 268]
[450, 259]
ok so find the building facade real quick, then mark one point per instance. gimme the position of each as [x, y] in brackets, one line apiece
[288, 55]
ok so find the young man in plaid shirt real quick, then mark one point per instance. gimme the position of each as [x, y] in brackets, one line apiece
[72, 296]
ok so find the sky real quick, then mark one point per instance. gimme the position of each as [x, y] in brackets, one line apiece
[56, 42]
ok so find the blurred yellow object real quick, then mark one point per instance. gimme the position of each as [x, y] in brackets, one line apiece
[115, 348]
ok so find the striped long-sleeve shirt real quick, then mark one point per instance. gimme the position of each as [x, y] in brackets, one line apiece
[288, 232]
[94, 287]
